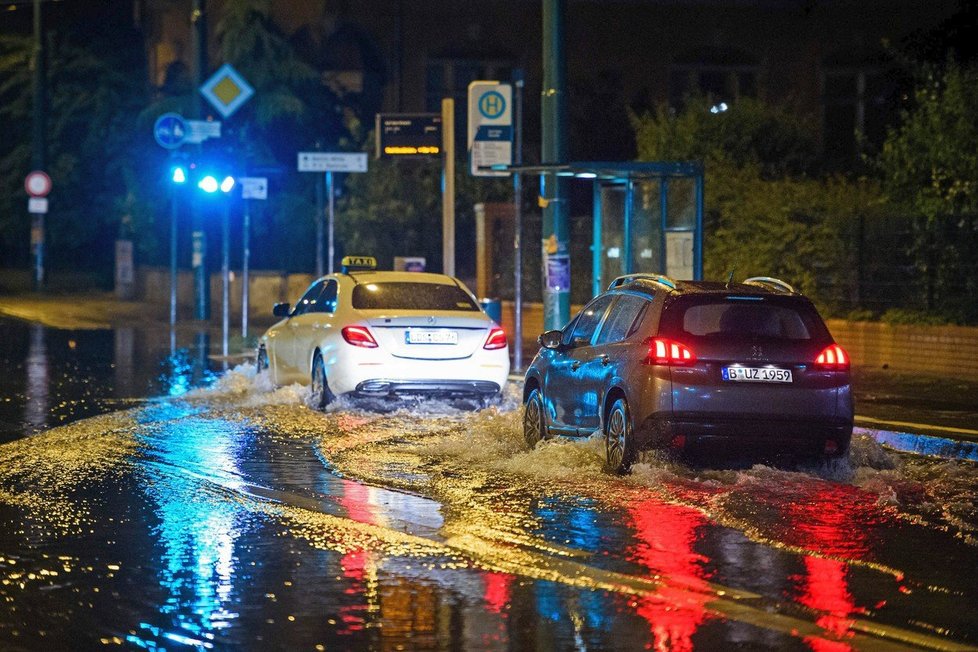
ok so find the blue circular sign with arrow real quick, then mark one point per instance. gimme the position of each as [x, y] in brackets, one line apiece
[170, 130]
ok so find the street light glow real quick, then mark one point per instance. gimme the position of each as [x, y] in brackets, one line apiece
[208, 184]
[179, 175]
[227, 184]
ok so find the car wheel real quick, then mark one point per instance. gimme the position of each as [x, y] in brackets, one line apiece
[321, 396]
[261, 359]
[618, 439]
[534, 419]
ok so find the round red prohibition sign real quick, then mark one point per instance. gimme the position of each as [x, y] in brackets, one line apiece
[37, 184]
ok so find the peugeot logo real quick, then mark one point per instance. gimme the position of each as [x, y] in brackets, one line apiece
[756, 352]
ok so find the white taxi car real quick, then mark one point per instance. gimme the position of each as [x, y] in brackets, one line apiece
[373, 333]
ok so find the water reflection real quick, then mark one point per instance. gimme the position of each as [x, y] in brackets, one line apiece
[198, 527]
[665, 537]
[37, 400]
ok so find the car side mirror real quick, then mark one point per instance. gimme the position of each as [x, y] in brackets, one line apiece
[550, 339]
[281, 309]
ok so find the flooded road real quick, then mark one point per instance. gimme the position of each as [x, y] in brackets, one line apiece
[232, 515]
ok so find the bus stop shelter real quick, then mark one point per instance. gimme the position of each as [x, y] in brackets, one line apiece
[647, 217]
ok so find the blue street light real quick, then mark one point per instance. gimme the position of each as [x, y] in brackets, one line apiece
[210, 184]
[178, 174]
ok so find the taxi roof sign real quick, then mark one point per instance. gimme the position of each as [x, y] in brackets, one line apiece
[357, 263]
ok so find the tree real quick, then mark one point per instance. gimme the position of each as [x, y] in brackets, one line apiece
[95, 91]
[929, 166]
[764, 214]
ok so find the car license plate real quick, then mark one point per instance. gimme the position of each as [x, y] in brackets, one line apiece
[757, 374]
[431, 336]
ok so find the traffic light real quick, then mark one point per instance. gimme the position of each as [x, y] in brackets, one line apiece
[178, 174]
[209, 184]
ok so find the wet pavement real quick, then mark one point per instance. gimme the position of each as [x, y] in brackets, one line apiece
[146, 514]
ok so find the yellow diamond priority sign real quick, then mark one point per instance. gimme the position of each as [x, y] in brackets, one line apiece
[226, 90]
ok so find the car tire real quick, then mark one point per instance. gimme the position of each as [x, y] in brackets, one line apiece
[261, 359]
[321, 395]
[618, 438]
[534, 419]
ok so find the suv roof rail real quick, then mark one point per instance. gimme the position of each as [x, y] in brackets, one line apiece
[770, 283]
[655, 278]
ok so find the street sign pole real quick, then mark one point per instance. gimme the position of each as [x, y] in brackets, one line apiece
[245, 256]
[251, 188]
[225, 277]
[319, 226]
[329, 203]
[518, 227]
[328, 162]
[173, 269]
[448, 186]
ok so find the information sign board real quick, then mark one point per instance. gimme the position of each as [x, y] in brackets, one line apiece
[490, 128]
[408, 134]
[332, 162]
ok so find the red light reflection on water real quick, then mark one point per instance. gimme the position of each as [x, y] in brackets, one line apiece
[666, 535]
[824, 588]
[830, 520]
[356, 564]
[497, 593]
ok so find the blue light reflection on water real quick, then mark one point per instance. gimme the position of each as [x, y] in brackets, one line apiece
[924, 444]
[553, 601]
[198, 528]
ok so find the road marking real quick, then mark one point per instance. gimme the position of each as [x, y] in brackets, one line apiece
[918, 426]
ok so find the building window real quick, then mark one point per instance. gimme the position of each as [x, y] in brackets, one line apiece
[859, 103]
[722, 75]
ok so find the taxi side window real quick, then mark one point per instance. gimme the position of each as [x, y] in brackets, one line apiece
[309, 302]
[620, 319]
[588, 320]
[327, 300]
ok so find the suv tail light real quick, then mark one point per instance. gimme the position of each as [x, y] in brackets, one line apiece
[496, 339]
[669, 352]
[359, 336]
[832, 357]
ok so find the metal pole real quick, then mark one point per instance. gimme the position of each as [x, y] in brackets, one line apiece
[245, 256]
[448, 186]
[202, 287]
[173, 268]
[38, 137]
[319, 226]
[225, 275]
[518, 227]
[555, 244]
[329, 203]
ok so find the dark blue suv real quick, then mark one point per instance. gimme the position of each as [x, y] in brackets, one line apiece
[693, 366]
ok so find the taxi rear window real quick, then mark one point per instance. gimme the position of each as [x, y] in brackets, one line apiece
[411, 296]
[737, 317]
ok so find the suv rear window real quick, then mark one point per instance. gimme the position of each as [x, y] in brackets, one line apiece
[741, 317]
[411, 296]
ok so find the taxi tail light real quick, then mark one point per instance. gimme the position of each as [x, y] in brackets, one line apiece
[832, 357]
[496, 339]
[669, 352]
[359, 336]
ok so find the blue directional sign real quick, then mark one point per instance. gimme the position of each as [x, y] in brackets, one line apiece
[170, 130]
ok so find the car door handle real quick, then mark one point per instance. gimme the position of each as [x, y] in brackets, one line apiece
[605, 359]
[575, 365]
